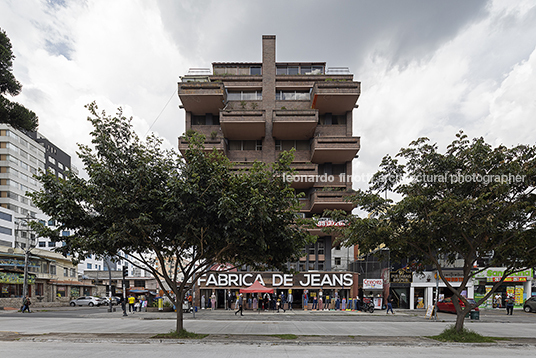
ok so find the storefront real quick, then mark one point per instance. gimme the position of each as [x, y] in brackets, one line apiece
[373, 289]
[399, 285]
[423, 288]
[12, 284]
[519, 285]
[332, 284]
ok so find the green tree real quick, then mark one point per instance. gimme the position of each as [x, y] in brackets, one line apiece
[11, 112]
[475, 203]
[159, 208]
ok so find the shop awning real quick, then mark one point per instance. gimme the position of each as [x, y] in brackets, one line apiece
[256, 288]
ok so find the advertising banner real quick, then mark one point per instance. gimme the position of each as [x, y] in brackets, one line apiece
[373, 284]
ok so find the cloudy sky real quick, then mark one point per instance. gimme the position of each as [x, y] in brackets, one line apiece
[427, 68]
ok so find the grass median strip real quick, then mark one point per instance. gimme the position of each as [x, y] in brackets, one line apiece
[465, 336]
[183, 334]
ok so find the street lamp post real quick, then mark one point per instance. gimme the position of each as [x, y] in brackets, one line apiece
[25, 233]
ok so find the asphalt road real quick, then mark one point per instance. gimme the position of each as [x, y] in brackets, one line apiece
[403, 324]
[113, 349]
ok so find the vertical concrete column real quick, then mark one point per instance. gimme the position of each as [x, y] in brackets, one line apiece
[268, 95]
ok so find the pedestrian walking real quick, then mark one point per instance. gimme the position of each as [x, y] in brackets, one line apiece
[26, 304]
[240, 303]
[390, 304]
[510, 305]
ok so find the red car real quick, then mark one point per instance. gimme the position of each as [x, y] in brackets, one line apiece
[447, 305]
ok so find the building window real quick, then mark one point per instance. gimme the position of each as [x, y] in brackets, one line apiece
[338, 247]
[73, 272]
[42, 244]
[65, 272]
[255, 70]
[5, 230]
[51, 244]
[205, 120]
[311, 250]
[52, 269]
[337, 261]
[3, 215]
[65, 233]
[39, 290]
[139, 283]
[61, 291]
[293, 95]
[52, 222]
[320, 248]
[298, 69]
[245, 145]
[89, 266]
[321, 266]
[296, 144]
[244, 96]
[331, 119]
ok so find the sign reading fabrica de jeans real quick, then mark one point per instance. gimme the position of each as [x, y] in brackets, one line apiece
[277, 279]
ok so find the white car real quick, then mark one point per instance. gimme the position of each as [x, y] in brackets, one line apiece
[86, 301]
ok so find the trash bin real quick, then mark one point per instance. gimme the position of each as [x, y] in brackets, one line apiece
[475, 315]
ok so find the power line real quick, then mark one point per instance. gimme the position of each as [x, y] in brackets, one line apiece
[162, 111]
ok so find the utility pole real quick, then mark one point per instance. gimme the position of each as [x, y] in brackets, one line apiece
[125, 272]
[107, 262]
[24, 231]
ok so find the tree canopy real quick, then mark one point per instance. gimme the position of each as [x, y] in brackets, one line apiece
[11, 112]
[159, 208]
[474, 203]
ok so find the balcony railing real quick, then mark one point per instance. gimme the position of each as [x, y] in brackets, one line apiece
[334, 149]
[297, 125]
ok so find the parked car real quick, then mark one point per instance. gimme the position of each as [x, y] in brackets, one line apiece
[446, 305]
[105, 300]
[530, 305]
[86, 301]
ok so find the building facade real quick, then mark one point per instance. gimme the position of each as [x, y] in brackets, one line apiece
[254, 111]
[52, 278]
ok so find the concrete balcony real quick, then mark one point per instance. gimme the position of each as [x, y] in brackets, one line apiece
[202, 97]
[243, 124]
[305, 176]
[297, 125]
[335, 150]
[210, 145]
[335, 97]
[324, 200]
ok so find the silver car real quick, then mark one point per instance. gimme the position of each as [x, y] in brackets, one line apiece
[86, 301]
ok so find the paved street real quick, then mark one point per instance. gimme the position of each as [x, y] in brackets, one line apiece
[92, 332]
[112, 349]
[306, 323]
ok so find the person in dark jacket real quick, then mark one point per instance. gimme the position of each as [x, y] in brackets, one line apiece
[510, 305]
[240, 303]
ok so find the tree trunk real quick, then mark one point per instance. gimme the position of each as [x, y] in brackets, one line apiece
[180, 326]
[460, 318]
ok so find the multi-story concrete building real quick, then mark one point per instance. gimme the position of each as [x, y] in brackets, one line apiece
[252, 111]
[23, 155]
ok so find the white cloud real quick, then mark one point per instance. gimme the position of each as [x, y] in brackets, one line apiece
[482, 81]
[474, 71]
